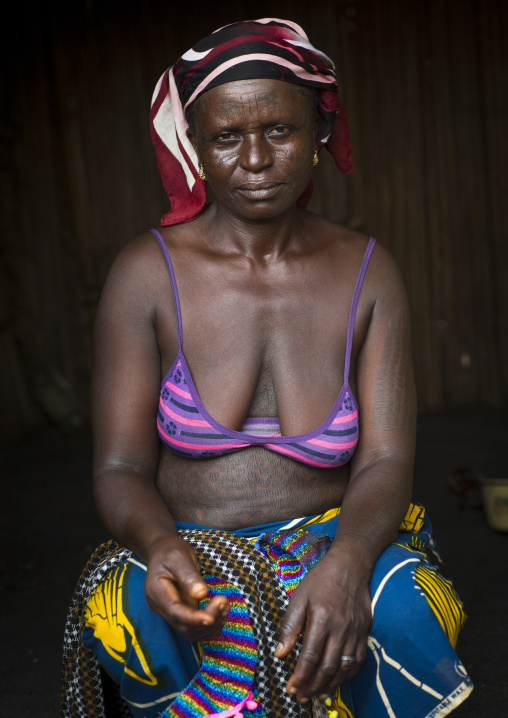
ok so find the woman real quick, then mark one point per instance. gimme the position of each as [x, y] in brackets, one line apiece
[275, 333]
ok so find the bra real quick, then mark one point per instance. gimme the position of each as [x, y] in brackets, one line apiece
[186, 427]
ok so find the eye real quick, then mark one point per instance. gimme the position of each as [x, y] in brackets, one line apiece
[279, 130]
[226, 137]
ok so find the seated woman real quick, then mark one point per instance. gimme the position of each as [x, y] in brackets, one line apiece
[254, 423]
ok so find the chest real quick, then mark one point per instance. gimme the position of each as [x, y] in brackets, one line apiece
[268, 346]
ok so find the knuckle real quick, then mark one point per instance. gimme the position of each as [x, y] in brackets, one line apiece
[309, 656]
[328, 670]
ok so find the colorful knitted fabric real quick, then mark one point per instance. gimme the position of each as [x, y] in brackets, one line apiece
[224, 685]
[293, 554]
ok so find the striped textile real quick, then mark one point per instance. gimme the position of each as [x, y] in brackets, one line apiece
[224, 683]
[331, 444]
[256, 49]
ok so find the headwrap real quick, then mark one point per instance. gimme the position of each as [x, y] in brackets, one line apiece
[255, 49]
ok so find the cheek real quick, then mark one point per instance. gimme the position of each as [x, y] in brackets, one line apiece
[287, 155]
[292, 160]
[222, 160]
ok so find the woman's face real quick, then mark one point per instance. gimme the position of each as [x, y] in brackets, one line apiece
[256, 142]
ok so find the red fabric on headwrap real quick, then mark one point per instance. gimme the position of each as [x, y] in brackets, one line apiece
[255, 49]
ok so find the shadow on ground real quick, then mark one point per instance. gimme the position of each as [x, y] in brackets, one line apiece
[50, 528]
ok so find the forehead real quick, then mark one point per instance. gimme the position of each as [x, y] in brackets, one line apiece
[251, 98]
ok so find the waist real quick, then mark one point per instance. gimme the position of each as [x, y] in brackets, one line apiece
[251, 488]
[324, 523]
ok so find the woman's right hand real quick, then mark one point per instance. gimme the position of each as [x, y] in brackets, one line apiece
[174, 587]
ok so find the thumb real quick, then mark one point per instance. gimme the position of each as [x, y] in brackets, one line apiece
[187, 577]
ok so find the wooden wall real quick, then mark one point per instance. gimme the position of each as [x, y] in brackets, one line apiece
[424, 86]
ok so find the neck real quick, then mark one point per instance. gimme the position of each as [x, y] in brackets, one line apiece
[261, 240]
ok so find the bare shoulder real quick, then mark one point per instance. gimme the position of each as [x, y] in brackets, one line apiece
[139, 273]
[383, 285]
[138, 258]
[350, 246]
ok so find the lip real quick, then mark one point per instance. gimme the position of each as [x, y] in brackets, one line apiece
[258, 190]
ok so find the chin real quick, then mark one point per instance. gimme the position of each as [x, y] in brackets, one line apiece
[263, 209]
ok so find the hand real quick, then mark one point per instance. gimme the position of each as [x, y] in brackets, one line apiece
[333, 604]
[174, 588]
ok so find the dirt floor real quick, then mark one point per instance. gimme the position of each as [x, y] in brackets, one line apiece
[50, 528]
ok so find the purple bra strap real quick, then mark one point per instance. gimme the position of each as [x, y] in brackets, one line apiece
[354, 304]
[165, 252]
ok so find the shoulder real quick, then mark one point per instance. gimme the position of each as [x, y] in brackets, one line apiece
[348, 247]
[383, 287]
[138, 276]
[142, 262]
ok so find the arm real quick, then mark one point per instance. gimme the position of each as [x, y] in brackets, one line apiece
[125, 393]
[333, 601]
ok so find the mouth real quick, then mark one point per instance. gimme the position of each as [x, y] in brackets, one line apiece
[258, 190]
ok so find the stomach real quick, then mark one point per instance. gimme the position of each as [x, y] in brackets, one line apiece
[246, 488]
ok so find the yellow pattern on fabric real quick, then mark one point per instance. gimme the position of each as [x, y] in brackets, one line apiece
[412, 523]
[336, 707]
[106, 616]
[443, 600]
[330, 514]
[414, 519]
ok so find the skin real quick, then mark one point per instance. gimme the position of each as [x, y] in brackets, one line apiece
[265, 290]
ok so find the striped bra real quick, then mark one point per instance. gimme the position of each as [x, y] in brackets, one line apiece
[187, 428]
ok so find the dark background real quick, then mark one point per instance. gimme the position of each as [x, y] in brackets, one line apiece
[424, 84]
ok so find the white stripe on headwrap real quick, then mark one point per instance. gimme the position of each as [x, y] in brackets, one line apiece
[157, 89]
[168, 123]
[193, 55]
[181, 123]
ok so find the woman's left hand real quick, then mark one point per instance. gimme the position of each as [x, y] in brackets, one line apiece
[333, 605]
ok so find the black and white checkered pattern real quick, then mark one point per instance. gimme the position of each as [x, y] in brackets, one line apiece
[82, 687]
[237, 560]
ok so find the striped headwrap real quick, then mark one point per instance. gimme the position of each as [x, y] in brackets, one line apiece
[256, 49]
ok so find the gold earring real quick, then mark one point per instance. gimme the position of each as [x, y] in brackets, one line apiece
[201, 172]
[315, 159]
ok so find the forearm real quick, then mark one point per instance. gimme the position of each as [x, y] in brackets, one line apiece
[132, 509]
[373, 508]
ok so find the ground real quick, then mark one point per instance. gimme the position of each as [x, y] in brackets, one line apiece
[50, 528]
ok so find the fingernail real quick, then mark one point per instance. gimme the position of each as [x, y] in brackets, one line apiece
[279, 648]
[304, 700]
[291, 690]
[325, 697]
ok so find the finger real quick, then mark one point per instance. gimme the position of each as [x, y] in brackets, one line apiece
[291, 628]
[217, 610]
[310, 657]
[218, 607]
[328, 675]
[345, 669]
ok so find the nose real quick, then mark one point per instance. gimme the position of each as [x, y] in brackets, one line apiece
[256, 153]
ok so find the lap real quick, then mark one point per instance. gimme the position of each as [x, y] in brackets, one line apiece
[410, 661]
